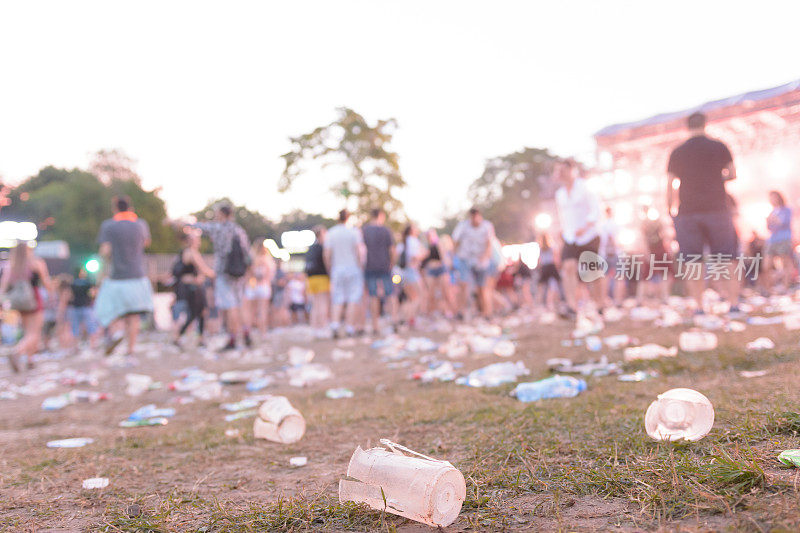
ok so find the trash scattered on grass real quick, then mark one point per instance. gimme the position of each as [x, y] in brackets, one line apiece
[790, 458]
[639, 375]
[151, 411]
[341, 392]
[233, 433]
[77, 442]
[306, 374]
[589, 368]
[54, 403]
[298, 461]
[761, 343]
[95, 483]
[648, 351]
[552, 387]
[299, 356]
[679, 414]
[438, 371]
[753, 373]
[697, 341]
[494, 374]
[406, 483]
[279, 421]
[158, 421]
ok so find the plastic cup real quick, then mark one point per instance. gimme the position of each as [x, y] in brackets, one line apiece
[679, 414]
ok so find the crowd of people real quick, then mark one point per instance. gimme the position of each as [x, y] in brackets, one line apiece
[361, 276]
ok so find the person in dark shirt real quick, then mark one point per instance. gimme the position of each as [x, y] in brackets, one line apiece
[318, 284]
[699, 168]
[79, 307]
[379, 243]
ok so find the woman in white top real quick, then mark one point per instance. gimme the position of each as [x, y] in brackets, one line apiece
[411, 254]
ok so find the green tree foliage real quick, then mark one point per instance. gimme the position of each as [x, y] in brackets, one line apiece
[371, 169]
[299, 220]
[69, 205]
[510, 190]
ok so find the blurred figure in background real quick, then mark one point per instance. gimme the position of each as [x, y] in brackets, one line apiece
[296, 292]
[190, 272]
[609, 250]
[380, 250]
[548, 274]
[436, 267]
[258, 288]
[655, 282]
[473, 241]
[779, 257]
[344, 256]
[319, 285]
[80, 314]
[410, 258]
[21, 284]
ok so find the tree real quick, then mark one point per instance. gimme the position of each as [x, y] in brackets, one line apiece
[69, 205]
[299, 220]
[371, 169]
[510, 190]
[113, 165]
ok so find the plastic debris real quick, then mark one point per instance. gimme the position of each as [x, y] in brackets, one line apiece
[406, 483]
[679, 414]
[77, 442]
[158, 421]
[494, 375]
[504, 348]
[593, 343]
[764, 321]
[440, 371]
[151, 411]
[552, 387]
[54, 403]
[648, 352]
[207, 391]
[735, 327]
[137, 384]
[753, 373]
[639, 375]
[697, 341]
[616, 342]
[589, 368]
[341, 392]
[95, 483]
[279, 421]
[306, 374]
[298, 461]
[342, 355]
[260, 383]
[241, 414]
[299, 356]
[761, 343]
[790, 458]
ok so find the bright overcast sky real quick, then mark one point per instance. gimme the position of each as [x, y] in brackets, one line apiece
[204, 95]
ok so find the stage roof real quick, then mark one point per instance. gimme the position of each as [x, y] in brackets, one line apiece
[753, 96]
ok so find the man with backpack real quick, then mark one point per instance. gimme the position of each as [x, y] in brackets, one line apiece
[231, 261]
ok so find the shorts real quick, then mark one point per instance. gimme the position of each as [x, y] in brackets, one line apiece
[547, 272]
[384, 278]
[78, 316]
[318, 284]
[695, 231]
[574, 251]
[297, 308]
[436, 272]
[347, 285]
[119, 297]
[258, 292]
[779, 249]
[228, 292]
[471, 274]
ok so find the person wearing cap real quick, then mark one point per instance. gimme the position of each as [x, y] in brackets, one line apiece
[127, 293]
[343, 251]
[473, 240]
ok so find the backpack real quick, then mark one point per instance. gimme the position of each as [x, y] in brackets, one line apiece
[402, 260]
[237, 261]
[22, 297]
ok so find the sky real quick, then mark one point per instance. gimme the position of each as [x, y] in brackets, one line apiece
[204, 95]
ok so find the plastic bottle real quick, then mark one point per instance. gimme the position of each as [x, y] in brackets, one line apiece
[553, 387]
[413, 486]
[151, 411]
[593, 343]
[494, 374]
[679, 414]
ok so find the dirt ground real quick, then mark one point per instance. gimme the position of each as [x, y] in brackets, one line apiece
[581, 464]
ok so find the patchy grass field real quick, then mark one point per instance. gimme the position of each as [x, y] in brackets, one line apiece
[581, 464]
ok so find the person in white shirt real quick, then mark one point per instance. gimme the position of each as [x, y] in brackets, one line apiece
[344, 256]
[473, 239]
[578, 213]
[610, 251]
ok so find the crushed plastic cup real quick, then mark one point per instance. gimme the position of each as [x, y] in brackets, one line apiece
[697, 341]
[494, 374]
[279, 421]
[593, 343]
[407, 484]
[790, 458]
[298, 461]
[210, 390]
[616, 342]
[77, 442]
[648, 352]
[306, 374]
[137, 384]
[761, 343]
[679, 414]
[95, 483]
